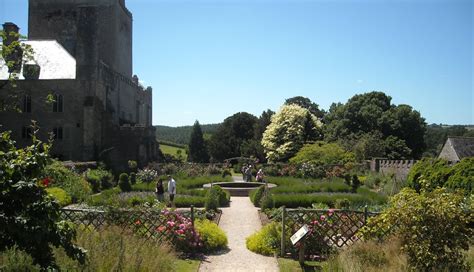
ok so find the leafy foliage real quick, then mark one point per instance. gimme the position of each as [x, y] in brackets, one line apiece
[322, 153]
[433, 228]
[99, 179]
[366, 117]
[226, 142]
[74, 184]
[123, 183]
[213, 237]
[29, 218]
[266, 241]
[462, 176]
[306, 103]
[216, 197]
[59, 195]
[428, 174]
[291, 127]
[197, 146]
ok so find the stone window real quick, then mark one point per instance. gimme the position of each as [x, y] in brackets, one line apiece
[26, 103]
[58, 103]
[26, 132]
[58, 133]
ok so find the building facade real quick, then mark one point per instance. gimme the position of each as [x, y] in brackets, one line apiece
[83, 49]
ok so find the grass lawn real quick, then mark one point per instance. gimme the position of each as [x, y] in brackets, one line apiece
[187, 265]
[289, 265]
[172, 150]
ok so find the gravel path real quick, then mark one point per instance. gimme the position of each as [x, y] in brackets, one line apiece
[239, 221]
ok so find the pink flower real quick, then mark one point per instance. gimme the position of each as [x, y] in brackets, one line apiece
[171, 223]
[330, 212]
[182, 226]
[322, 218]
[160, 228]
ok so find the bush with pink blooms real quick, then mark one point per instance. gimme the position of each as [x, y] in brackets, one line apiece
[180, 229]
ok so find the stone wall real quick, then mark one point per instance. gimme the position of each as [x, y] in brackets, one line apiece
[398, 168]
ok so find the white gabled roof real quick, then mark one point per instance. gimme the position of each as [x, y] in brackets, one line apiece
[54, 60]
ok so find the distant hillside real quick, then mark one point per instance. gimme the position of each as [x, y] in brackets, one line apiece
[181, 135]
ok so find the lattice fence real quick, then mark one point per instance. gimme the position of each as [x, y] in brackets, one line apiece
[330, 229]
[150, 224]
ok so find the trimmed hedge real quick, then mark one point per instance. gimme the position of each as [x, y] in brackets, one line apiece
[306, 200]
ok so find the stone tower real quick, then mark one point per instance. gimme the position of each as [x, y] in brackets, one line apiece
[90, 30]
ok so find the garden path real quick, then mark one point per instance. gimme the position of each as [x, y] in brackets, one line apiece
[239, 221]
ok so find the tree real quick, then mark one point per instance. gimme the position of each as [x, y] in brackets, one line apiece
[227, 141]
[322, 153]
[401, 128]
[29, 218]
[291, 127]
[197, 146]
[306, 103]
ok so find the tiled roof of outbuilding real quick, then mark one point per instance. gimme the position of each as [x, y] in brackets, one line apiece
[463, 146]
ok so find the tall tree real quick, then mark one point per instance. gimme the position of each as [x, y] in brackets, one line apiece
[306, 103]
[227, 141]
[197, 146]
[291, 127]
[365, 116]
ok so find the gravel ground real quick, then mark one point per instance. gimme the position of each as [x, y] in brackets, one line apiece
[239, 221]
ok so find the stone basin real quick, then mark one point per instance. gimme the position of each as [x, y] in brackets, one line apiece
[239, 188]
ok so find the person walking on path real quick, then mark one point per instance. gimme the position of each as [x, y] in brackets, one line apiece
[260, 175]
[171, 189]
[248, 174]
[160, 191]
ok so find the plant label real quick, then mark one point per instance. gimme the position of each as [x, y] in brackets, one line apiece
[299, 234]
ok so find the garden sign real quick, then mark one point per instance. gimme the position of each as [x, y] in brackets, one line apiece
[299, 234]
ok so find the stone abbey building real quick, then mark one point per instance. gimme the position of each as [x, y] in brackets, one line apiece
[83, 52]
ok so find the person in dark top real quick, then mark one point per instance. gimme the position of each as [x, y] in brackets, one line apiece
[160, 191]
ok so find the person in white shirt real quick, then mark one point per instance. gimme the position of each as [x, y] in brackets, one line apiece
[171, 189]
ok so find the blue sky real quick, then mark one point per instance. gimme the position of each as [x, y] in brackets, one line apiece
[207, 60]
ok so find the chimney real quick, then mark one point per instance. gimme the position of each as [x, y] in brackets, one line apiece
[11, 36]
[11, 33]
[135, 79]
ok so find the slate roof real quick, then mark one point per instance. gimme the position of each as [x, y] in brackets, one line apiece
[54, 60]
[463, 146]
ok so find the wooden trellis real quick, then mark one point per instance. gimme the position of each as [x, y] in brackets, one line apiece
[150, 224]
[330, 229]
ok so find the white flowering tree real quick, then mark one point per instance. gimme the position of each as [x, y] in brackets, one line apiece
[290, 128]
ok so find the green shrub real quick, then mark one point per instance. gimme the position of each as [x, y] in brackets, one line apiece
[462, 176]
[212, 199]
[322, 153]
[223, 196]
[433, 228]
[342, 203]
[133, 178]
[256, 195]
[99, 179]
[267, 201]
[212, 236]
[59, 195]
[72, 183]
[186, 201]
[226, 173]
[266, 241]
[360, 199]
[428, 174]
[123, 183]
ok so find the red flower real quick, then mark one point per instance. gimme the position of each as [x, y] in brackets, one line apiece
[138, 222]
[45, 182]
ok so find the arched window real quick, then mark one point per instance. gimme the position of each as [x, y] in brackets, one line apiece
[58, 103]
[26, 103]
